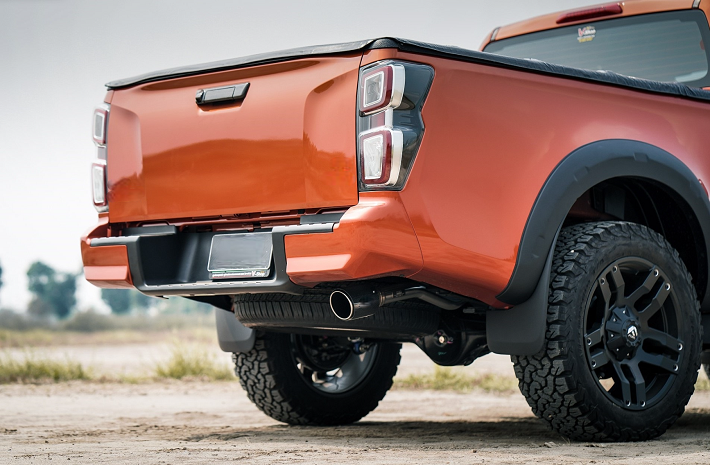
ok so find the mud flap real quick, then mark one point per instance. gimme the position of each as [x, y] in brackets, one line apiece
[232, 335]
[521, 329]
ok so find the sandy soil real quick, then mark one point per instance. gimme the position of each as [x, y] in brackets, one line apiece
[196, 422]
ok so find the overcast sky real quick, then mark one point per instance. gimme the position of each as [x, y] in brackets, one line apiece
[56, 56]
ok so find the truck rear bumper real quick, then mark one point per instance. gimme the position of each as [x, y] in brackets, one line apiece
[372, 239]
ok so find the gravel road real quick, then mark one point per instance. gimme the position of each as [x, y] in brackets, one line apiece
[200, 422]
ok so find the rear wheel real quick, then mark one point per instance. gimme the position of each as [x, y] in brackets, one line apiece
[623, 336]
[316, 380]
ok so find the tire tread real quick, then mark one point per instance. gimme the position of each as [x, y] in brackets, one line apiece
[547, 379]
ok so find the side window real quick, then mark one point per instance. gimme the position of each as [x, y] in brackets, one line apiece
[668, 47]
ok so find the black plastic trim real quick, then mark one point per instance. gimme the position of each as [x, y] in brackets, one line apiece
[236, 63]
[222, 94]
[150, 251]
[157, 230]
[582, 169]
[423, 48]
[322, 218]
[521, 329]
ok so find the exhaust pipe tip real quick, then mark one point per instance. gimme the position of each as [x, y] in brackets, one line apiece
[342, 305]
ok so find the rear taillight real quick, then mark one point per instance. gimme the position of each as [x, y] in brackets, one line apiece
[381, 88]
[98, 181]
[381, 155]
[100, 124]
[390, 97]
[98, 168]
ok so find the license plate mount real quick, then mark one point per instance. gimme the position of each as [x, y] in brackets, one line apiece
[240, 256]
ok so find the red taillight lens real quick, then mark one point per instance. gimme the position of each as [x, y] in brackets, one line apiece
[590, 13]
[381, 156]
[98, 181]
[100, 125]
[389, 132]
[381, 88]
[98, 168]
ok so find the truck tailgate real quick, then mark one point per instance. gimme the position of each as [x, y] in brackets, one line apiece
[288, 145]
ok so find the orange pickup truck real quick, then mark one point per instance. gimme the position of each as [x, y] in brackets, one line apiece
[544, 198]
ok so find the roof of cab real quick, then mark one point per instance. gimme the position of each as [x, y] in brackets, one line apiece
[549, 21]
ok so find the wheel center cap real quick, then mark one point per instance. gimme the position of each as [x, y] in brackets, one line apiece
[623, 332]
[632, 333]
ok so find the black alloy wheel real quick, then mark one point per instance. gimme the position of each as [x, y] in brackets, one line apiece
[623, 336]
[631, 333]
[316, 380]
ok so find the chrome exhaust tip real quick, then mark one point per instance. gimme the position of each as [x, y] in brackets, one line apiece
[356, 302]
[363, 301]
[341, 305]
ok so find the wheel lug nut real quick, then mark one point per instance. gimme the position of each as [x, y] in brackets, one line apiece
[668, 286]
[655, 272]
[680, 347]
[589, 341]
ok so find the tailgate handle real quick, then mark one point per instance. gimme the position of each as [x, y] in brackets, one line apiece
[222, 94]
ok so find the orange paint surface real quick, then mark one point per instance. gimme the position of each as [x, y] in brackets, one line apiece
[492, 138]
[107, 266]
[285, 147]
[374, 238]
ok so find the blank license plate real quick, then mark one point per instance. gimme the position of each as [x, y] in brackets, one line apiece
[240, 256]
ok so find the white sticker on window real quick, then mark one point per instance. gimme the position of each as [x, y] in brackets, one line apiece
[586, 34]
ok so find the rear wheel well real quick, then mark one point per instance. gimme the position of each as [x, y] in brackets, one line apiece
[651, 204]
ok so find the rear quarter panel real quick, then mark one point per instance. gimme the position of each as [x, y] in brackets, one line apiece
[492, 138]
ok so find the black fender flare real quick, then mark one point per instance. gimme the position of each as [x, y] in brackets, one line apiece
[579, 171]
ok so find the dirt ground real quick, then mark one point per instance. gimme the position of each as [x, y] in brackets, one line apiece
[199, 422]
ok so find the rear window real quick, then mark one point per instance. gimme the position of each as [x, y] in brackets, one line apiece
[668, 47]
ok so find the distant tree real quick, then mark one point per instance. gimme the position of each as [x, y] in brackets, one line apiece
[185, 306]
[54, 292]
[142, 301]
[118, 299]
[122, 301]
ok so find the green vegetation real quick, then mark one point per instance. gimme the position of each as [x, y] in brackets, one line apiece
[446, 379]
[190, 361]
[54, 292]
[123, 301]
[31, 369]
[90, 321]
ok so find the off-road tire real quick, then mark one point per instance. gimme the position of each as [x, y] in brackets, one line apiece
[294, 313]
[559, 382]
[270, 375]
